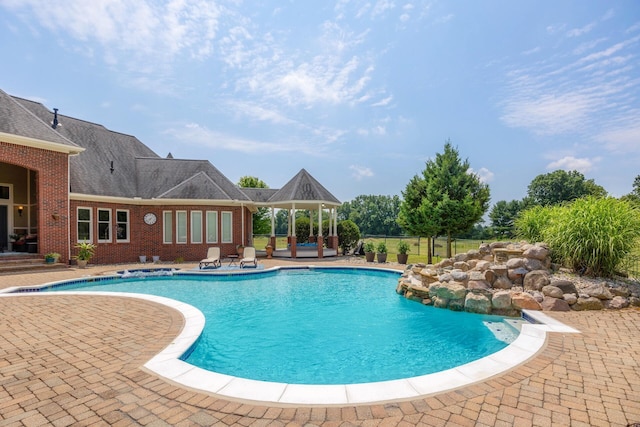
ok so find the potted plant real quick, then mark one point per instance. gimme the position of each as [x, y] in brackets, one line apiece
[403, 249]
[382, 252]
[369, 251]
[240, 251]
[269, 250]
[85, 252]
[51, 257]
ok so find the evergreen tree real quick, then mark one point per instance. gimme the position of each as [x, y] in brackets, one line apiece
[447, 198]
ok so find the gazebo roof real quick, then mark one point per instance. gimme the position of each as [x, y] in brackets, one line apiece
[303, 191]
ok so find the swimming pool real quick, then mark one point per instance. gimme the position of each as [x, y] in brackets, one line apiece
[320, 326]
[167, 363]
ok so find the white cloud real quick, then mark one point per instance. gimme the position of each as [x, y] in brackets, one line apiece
[201, 136]
[484, 174]
[577, 32]
[570, 163]
[142, 28]
[585, 95]
[383, 102]
[360, 172]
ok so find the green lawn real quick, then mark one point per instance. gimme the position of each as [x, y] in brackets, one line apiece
[417, 252]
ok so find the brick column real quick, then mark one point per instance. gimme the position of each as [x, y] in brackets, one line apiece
[320, 247]
[293, 240]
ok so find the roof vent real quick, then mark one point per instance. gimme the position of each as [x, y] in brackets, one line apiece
[169, 156]
[55, 123]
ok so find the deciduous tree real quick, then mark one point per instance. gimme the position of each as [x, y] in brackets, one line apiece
[261, 219]
[562, 186]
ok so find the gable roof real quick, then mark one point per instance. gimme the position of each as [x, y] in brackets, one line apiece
[177, 179]
[16, 120]
[113, 164]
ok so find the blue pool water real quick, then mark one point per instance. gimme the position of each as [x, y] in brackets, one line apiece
[320, 326]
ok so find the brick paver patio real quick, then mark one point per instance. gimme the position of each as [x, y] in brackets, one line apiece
[76, 360]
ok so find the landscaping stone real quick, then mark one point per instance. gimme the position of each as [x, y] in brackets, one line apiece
[501, 300]
[552, 291]
[524, 301]
[477, 303]
[452, 291]
[536, 280]
[589, 303]
[570, 298]
[567, 286]
[616, 303]
[554, 304]
[536, 252]
[597, 290]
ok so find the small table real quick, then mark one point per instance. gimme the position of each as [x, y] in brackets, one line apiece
[232, 260]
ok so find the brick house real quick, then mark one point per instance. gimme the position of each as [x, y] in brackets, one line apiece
[64, 180]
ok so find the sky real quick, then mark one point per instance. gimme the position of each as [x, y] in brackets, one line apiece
[361, 94]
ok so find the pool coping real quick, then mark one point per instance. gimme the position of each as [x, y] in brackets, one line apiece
[167, 364]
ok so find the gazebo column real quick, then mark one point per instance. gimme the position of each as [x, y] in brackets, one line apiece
[334, 237]
[272, 239]
[311, 236]
[293, 240]
[320, 238]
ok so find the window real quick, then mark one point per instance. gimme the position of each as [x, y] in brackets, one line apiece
[227, 231]
[212, 227]
[168, 226]
[122, 226]
[84, 225]
[196, 226]
[181, 227]
[104, 225]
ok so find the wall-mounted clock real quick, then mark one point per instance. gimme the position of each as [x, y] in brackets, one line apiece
[150, 218]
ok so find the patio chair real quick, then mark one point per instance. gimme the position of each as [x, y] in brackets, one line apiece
[249, 257]
[213, 257]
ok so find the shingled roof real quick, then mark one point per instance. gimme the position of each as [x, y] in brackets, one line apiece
[17, 120]
[304, 191]
[119, 165]
[113, 164]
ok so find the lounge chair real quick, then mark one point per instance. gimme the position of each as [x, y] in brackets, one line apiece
[213, 257]
[249, 257]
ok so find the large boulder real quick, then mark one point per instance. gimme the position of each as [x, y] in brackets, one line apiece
[552, 291]
[440, 302]
[570, 298]
[554, 304]
[459, 276]
[524, 301]
[451, 291]
[456, 304]
[477, 303]
[501, 300]
[461, 265]
[478, 285]
[589, 303]
[533, 264]
[616, 303]
[433, 289]
[536, 280]
[598, 290]
[517, 275]
[514, 263]
[536, 252]
[502, 282]
[567, 286]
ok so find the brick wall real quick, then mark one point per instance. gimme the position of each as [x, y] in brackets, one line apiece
[147, 239]
[51, 183]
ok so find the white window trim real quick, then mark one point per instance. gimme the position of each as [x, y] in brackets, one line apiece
[186, 231]
[193, 231]
[90, 239]
[164, 227]
[128, 238]
[222, 239]
[215, 225]
[109, 224]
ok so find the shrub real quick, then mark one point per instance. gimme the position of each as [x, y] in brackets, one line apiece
[594, 235]
[348, 234]
[531, 224]
[381, 248]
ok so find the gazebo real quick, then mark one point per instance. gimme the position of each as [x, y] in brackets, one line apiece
[303, 191]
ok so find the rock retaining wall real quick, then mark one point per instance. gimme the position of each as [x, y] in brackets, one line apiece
[505, 278]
